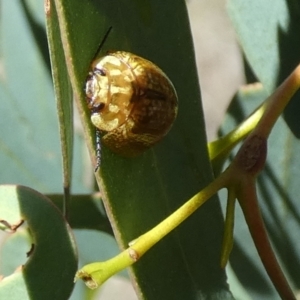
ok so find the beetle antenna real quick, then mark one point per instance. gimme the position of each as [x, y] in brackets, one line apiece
[98, 150]
[102, 42]
[98, 136]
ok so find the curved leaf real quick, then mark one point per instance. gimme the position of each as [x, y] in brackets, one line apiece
[49, 271]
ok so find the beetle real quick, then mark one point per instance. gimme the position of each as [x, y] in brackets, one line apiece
[132, 102]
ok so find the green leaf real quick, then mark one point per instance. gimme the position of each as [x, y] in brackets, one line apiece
[140, 192]
[49, 272]
[29, 143]
[86, 212]
[26, 102]
[269, 35]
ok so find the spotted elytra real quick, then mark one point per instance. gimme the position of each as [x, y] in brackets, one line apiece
[133, 103]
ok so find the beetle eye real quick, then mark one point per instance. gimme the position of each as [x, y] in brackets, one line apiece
[101, 72]
[98, 107]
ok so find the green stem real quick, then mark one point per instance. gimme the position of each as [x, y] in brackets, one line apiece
[96, 273]
[223, 145]
[229, 225]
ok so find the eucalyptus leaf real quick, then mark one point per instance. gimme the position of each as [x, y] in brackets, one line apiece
[49, 271]
[140, 192]
[269, 35]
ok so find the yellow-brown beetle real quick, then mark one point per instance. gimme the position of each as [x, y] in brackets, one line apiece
[132, 102]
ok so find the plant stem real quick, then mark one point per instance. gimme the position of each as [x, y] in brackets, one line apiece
[223, 145]
[229, 225]
[248, 200]
[147, 240]
[96, 273]
[277, 102]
